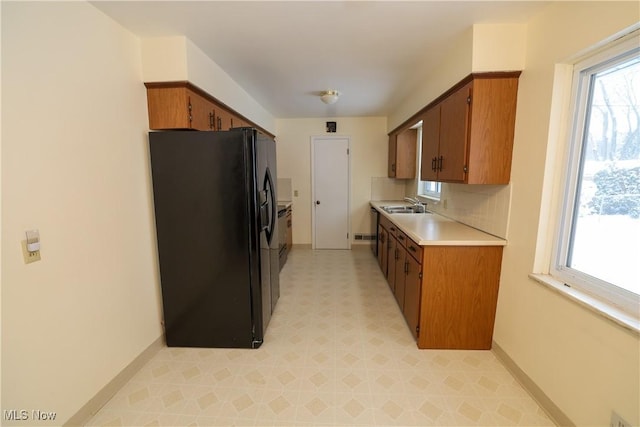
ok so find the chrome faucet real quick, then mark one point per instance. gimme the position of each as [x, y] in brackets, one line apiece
[418, 206]
[412, 200]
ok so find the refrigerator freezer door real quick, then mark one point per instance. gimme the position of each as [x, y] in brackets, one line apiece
[206, 221]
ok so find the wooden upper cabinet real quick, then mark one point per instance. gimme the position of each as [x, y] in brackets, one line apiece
[467, 132]
[201, 111]
[402, 154]
[430, 144]
[181, 105]
[454, 123]
[223, 119]
[178, 108]
[491, 129]
[391, 162]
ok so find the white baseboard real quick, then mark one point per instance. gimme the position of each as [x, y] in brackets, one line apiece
[108, 391]
[552, 410]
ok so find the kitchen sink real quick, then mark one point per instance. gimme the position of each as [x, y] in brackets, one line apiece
[404, 209]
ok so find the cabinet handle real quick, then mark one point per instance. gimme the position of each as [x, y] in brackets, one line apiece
[406, 267]
[212, 125]
[411, 248]
[400, 237]
[440, 164]
[434, 162]
[393, 167]
[396, 255]
[219, 123]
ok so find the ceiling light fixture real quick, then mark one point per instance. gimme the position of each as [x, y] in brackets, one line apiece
[329, 96]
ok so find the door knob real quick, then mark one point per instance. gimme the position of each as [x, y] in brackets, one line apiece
[317, 202]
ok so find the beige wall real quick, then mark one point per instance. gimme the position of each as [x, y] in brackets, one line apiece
[74, 166]
[368, 159]
[587, 365]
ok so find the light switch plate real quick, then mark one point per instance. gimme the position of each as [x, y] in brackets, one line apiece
[29, 257]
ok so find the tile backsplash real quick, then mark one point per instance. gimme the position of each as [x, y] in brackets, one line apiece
[383, 188]
[284, 189]
[485, 207]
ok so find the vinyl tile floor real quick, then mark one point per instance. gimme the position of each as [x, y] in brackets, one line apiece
[336, 353]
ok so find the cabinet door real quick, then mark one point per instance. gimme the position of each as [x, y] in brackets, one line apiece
[491, 130]
[391, 167]
[406, 148]
[400, 276]
[200, 111]
[382, 249]
[168, 108]
[454, 135]
[412, 288]
[223, 119]
[430, 144]
[391, 264]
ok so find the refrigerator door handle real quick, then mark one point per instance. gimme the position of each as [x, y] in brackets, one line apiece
[264, 209]
[270, 206]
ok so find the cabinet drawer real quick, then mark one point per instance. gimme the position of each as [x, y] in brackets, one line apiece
[386, 223]
[412, 247]
[402, 238]
[393, 230]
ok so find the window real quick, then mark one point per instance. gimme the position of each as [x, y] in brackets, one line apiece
[598, 248]
[428, 189]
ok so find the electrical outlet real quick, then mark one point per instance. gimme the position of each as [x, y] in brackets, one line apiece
[618, 421]
[29, 257]
[444, 204]
[295, 193]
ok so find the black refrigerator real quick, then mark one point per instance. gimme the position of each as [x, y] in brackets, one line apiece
[217, 229]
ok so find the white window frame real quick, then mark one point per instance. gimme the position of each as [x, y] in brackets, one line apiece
[610, 294]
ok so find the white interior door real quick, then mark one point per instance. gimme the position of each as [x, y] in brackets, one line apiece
[330, 182]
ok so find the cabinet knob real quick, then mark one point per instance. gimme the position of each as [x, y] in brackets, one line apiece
[465, 169]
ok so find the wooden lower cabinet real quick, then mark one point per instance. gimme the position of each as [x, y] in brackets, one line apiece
[392, 255]
[459, 296]
[412, 288]
[382, 249]
[400, 261]
[447, 294]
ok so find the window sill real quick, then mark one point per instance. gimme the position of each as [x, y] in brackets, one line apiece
[599, 307]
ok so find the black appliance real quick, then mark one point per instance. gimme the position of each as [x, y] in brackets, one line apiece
[216, 222]
[282, 231]
[375, 222]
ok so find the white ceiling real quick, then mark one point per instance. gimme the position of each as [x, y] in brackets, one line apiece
[284, 53]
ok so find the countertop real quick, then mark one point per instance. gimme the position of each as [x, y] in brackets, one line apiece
[431, 229]
[283, 204]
